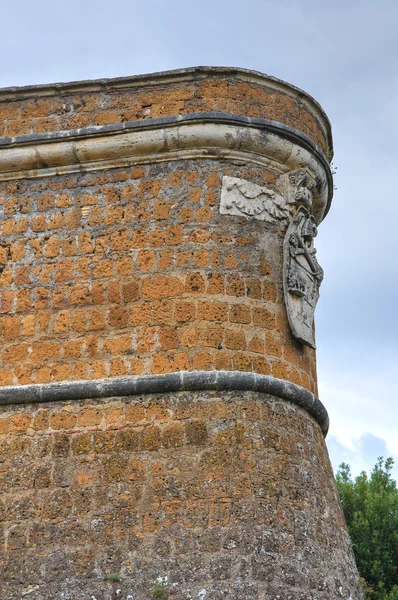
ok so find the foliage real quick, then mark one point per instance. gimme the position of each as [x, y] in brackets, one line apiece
[113, 577]
[370, 505]
[160, 588]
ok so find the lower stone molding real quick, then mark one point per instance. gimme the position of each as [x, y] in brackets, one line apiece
[165, 383]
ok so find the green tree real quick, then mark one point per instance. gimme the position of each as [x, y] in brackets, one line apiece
[370, 505]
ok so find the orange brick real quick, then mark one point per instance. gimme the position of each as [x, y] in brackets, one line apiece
[175, 179]
[168, 338]
[79, 294]
[146, 260]
[146, 339]
[135, 414]
[20, 422]
[117, 345]
[118, 367]
[130, 290]
[99, 369]
[45, 351]
[216, 283]
[261, 365]
[256, 344]
[159, 286]
[213, 311]
[194, 284]
[41, 420]
[148, 189]
[104, 268]
[235, 340]
[79, 320]
[269, 292]
[185, 311]
[203, 361]
[52, 247]
[89, 417]
[279, 370]
[180, 362]
[118, 317]
[12, 327]
[29, 324]
[140, 314]
[61, 371]
[73, 348]
[239, 313]
[15, 353]
[253, 287]
[62, 322]
[174, 235]
[160, 364]
[242, 362]
[272, 345]
[63, 420]
[190, 337]
[4, 425]
[235, 286]
[263, 318]
[204, 214]
[213, 337]
[161, 210]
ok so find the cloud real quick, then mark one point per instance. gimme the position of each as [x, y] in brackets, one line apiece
[361, 453]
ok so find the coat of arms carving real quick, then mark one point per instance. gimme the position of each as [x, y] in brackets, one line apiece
[302, 275]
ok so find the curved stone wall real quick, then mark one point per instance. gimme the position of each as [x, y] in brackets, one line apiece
[136, 271]
[227, 492]
[160, 434]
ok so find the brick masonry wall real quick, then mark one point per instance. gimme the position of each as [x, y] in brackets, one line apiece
[135, 271]
[228, 493]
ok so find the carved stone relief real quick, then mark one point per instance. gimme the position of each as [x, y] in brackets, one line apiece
[246, 199]
[297, 187]
[302, 275]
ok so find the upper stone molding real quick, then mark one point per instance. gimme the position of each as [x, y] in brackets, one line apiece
[198, 135]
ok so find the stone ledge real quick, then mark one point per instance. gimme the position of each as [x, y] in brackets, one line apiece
[197, 135]
[181, 381]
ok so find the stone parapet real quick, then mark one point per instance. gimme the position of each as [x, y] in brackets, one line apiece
[76, 105]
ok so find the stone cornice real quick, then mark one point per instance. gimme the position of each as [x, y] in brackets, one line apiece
[182, 381]
[196, 135]
[177, 76]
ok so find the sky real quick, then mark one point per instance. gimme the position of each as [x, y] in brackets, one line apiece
[345, 54]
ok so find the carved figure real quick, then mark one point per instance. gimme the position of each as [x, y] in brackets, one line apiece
[302, 275]
[244, 198]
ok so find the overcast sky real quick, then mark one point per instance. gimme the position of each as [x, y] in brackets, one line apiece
[344, 53]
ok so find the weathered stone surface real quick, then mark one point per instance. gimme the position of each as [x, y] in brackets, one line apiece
[165, 439]
[232, 494]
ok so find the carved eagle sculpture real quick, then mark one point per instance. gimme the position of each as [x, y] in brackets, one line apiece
[255, 201]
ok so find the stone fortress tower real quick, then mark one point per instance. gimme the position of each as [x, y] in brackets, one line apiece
[160, 433]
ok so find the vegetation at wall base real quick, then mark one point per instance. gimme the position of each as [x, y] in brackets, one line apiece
[370, 505]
